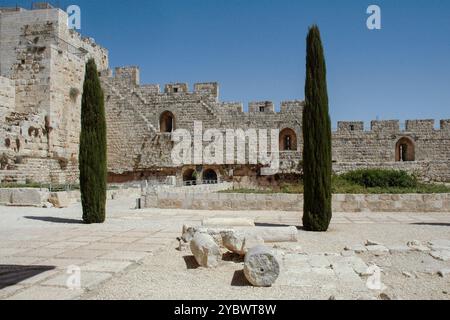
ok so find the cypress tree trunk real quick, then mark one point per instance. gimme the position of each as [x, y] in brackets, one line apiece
[317, 139]
[92, 159]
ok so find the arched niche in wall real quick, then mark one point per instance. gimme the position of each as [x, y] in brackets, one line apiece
[189, 177]
[167, 122]
[405, 150]
[288, 140]
[210, 177]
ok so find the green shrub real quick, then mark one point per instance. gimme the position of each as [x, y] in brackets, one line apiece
[377, 178]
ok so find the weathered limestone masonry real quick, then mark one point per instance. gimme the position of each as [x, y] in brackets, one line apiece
[7, 96]
[140, 140]
[43, 62]
[419, 148]
[294, 202]
[41, 76]
[141, 119]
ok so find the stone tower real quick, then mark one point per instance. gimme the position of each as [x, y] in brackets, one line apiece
[42, 69]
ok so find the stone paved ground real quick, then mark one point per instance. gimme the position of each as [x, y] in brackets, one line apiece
[133, 256]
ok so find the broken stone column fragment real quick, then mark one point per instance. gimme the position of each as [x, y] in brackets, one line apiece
[261, 267]
[239, 242]
[188, 233]
[274, 234]
[267, 234]
[205, 250]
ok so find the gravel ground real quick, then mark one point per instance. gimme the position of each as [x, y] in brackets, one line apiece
[412, 276]
[171, 274]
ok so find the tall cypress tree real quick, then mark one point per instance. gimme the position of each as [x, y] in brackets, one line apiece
[317, 160]
[92, 159]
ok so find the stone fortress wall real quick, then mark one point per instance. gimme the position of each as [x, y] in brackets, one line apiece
[41, 75]
[42, 65]
[138, 145]
[7, 96]
[427, 155]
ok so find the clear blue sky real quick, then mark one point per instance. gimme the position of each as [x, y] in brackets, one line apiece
[255, 49]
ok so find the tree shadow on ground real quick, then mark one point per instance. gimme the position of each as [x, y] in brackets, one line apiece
[258, 224]
[191, 263]
[239, 279]
[13, 274]
[434, 224]
[56, 220]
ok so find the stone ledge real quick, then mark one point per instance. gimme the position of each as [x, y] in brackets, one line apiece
[289, 202]
[35, 197]
[26, 197]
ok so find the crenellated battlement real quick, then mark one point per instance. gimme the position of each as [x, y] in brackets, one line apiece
[350, 126]
[393, 127]
[233, 106]
[134, 108]
[419, 125]
[130, 74]
[127, 78]
[445, 125]
[42, 69]
[208, 88]
[385, 126]
[292, 106]
[261, 107]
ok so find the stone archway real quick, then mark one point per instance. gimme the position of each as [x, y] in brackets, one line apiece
[288, 140]
[405, 150]
[167, 122]
[189, 177]
[210, 177]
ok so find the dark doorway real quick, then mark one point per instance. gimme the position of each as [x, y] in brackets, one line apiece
[210, 177]
[189, 178]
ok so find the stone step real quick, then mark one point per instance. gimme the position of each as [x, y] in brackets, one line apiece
[149, 125]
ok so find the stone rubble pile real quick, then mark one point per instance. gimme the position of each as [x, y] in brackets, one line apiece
[241, 237]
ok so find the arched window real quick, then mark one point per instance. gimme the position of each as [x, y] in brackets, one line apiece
[189, 178]
[405, 150]
[288, 140]
[209, 177]
[167, 122]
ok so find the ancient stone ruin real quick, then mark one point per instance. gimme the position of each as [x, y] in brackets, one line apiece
[41, 74]
[208, 243]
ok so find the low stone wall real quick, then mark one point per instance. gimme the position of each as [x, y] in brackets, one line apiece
[75, 196]
[35, 197]
[201, 188]
[177, 197]
[294, 202]
[27, 197]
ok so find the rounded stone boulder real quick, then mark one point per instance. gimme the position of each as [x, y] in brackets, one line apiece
[261, 267]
